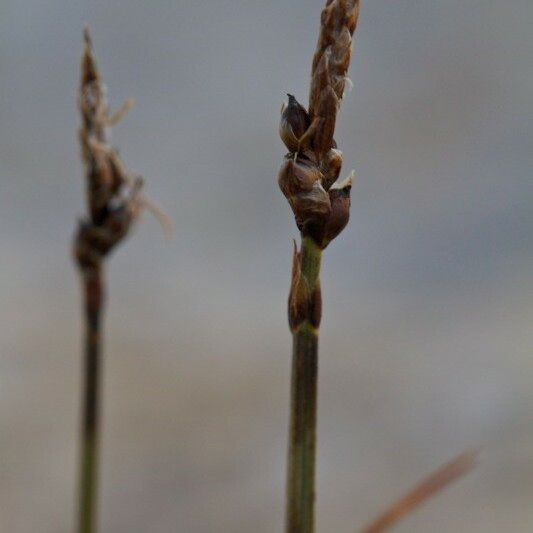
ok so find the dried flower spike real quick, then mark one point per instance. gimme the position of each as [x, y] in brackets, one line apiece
[113, 196]
[309, 135]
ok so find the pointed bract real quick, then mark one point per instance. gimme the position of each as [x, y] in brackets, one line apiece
[294, 123]
[339, 195]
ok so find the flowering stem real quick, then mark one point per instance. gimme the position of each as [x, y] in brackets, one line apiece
[90, 431]
[302, 429]
[114, 201]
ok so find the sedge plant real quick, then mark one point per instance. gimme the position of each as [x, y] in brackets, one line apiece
[309, 180]
[114, 200]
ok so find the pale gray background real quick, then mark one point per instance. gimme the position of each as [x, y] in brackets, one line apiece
[426, 338]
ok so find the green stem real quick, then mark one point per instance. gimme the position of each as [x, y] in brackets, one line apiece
[302, 430]
[90, 431]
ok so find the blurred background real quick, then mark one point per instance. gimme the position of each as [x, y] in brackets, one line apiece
[426, 334]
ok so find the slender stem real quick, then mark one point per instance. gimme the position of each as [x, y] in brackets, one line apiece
[302, 429]
[90, 432]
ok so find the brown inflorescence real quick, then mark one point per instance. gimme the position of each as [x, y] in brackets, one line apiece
[312, 167]
[113, 196]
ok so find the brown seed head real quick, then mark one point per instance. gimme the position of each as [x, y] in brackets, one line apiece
[114, 198]
[307, 177]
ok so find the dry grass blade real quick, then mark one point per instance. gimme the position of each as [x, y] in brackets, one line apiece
[434, 483]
